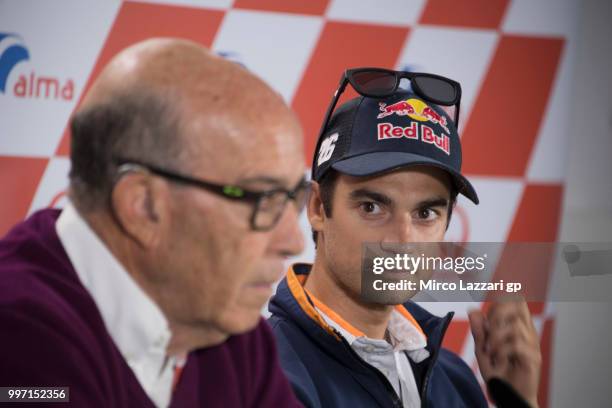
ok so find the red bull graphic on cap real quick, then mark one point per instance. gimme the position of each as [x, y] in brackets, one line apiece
[416, 131]
[415, 109]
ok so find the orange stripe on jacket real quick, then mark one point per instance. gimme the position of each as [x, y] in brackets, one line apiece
[295, 283]
[335, 316]
[296, 286]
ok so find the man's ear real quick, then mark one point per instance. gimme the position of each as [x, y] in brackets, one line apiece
[139, 205]
[315, 210]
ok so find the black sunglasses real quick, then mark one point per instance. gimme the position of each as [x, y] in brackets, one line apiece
[268, 205]
[381, 82]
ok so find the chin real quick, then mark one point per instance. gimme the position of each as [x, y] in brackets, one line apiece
[239, 322]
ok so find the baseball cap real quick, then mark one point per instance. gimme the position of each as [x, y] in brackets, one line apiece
[371, 136]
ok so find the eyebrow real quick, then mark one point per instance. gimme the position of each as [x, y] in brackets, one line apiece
[435, 202]
[362, 193]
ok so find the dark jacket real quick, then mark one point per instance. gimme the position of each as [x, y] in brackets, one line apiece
[326, 373]
[52, 334]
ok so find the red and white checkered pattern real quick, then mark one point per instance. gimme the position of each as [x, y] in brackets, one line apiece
[512, 57]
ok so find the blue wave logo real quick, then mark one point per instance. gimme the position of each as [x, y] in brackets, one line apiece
[12, 55]
[232, 56]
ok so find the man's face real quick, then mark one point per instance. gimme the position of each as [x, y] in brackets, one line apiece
[223, 270]
[405, 206]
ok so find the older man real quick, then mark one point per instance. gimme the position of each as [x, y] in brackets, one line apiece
[147, 289]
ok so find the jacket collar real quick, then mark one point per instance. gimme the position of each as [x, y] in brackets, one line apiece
[292, 302]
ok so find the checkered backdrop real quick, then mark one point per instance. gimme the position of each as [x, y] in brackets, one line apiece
[512, 57]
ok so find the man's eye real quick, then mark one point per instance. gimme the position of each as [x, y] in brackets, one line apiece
[370, 207]
[427, 214]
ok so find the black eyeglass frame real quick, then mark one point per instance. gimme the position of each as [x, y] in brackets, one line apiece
[228, 191]
[348, 77]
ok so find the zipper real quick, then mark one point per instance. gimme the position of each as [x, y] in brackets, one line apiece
[397, 402]
[434, 358]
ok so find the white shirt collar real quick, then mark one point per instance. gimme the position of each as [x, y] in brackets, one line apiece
[403, 335]
[388, 357]
[135, 323]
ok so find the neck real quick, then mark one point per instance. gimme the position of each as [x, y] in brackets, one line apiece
[371, 319]
[185, 337]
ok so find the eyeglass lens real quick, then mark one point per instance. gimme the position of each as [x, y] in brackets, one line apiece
[271, 206]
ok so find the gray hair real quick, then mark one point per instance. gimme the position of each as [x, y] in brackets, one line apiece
[133, 124]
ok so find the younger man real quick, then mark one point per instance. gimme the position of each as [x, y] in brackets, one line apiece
[388, 170]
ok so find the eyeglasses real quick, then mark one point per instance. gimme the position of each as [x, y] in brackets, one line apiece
[268, 205]
[380, 82]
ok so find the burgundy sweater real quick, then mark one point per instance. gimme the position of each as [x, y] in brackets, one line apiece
[52, 334]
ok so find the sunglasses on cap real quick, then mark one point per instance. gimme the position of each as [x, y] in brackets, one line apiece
[381, 82]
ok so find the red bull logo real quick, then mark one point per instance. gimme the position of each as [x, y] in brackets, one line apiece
[415, 109]
[401, 108]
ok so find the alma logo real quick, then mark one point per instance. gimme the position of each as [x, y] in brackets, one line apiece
[12, 52]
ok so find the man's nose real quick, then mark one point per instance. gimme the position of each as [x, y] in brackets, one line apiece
[400, 231]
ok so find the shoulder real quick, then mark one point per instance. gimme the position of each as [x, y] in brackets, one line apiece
[49, 311]
[39, 295]
[42, 346]
[285, 329]
[293, 347]
[51, 329]
[35, 269]
[28, 323]
[285, 333]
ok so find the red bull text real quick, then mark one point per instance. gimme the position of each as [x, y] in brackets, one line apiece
[415, 131]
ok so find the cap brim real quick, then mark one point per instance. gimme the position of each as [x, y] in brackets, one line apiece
[371, 164]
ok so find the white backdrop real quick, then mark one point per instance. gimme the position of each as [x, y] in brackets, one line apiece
[515, 59]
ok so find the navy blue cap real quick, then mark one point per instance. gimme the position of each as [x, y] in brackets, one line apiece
[371, 136]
